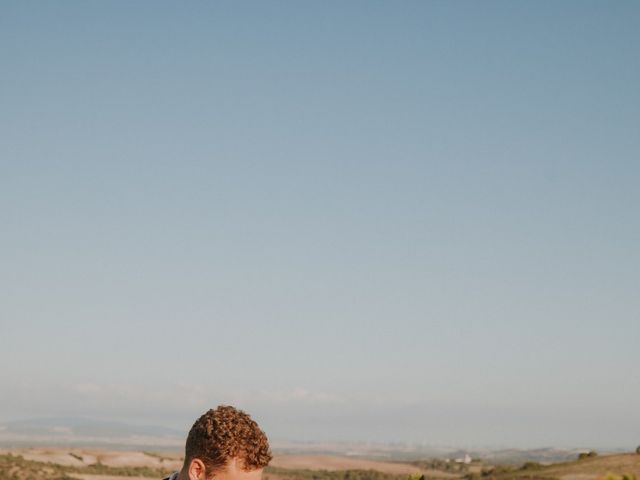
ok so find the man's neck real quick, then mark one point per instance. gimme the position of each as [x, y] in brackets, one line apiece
[182, 475]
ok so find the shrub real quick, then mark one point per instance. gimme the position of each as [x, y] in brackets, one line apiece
[624, 476]
[415, 476]
[589, 454]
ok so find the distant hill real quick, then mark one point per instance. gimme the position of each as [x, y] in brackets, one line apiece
[591, 468]
[542, 455]
[401, 452]
[78, 431]
[90, 432]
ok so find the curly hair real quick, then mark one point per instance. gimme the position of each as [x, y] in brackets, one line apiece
[225, 433]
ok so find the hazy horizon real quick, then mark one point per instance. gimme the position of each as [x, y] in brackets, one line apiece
[368, 221]
[90, 431]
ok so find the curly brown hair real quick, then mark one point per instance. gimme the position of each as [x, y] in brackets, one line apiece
[225, 433]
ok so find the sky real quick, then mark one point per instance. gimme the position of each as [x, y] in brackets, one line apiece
[358, 221]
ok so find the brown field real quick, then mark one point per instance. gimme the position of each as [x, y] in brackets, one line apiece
[111, 458]
[594, 468]
[99, 464]
[334, 462]
[115, 458]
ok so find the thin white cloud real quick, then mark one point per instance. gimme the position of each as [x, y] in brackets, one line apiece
[298, 395]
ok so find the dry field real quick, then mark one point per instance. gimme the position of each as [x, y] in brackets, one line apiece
[334, 462]
[591, 468]
[79, 457]
[99, 464]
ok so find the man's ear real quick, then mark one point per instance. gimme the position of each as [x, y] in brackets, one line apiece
[197, 470]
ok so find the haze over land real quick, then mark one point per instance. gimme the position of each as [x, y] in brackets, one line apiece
[57, 434]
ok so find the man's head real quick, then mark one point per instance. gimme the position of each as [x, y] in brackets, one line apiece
[225, 443]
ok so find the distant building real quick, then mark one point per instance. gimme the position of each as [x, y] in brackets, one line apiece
[466, 460]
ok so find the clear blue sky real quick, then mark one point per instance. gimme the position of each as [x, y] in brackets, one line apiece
[358, 220]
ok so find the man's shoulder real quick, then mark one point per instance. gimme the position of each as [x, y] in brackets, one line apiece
[173, 476]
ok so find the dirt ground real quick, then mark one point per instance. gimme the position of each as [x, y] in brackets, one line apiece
[114, 458]
[334, 462]
[587, 469]
[78, 457]
[593, 468]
